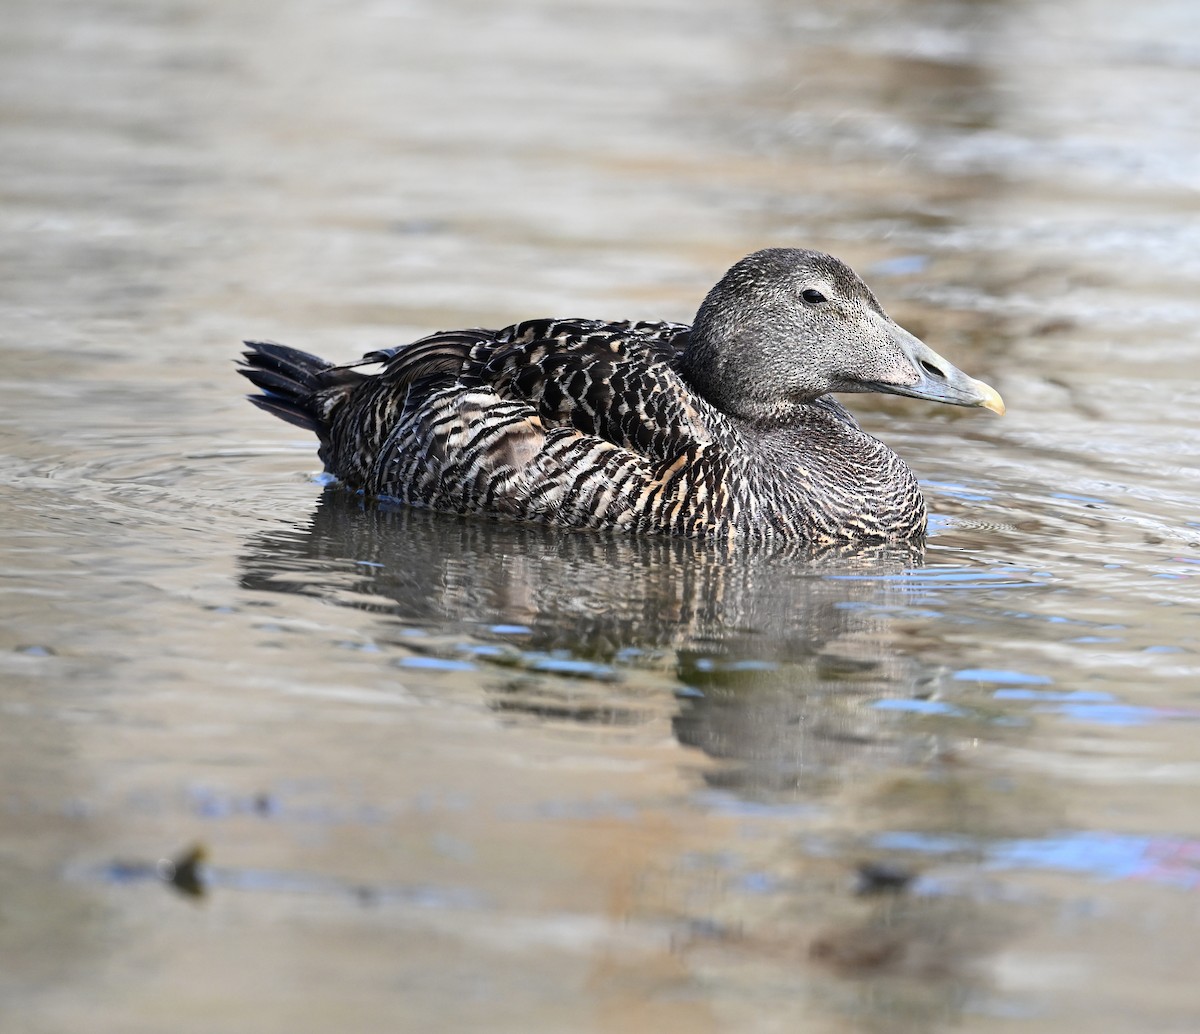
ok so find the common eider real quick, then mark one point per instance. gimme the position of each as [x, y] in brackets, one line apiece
[726, 429]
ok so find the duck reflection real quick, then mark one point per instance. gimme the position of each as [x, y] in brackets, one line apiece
[771, 654]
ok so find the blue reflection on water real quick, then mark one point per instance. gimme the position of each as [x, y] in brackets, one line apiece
[1001, 675]
[970, 495]
[1119, 714]
[435, 664]
[1112, 856]
[1077, 696]
[571, 666]
[1092, 706]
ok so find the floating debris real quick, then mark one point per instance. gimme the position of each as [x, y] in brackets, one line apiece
[882, 878]
[185, 872]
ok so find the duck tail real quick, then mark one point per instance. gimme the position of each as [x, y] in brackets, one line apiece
[302, 389]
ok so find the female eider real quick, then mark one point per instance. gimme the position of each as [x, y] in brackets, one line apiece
[724, 430]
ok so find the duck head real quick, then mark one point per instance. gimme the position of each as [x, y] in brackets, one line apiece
[785, 326]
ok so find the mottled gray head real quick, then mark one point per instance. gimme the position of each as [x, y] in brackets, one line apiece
[785, 326]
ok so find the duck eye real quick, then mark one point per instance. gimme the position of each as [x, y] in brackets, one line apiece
[813, 297]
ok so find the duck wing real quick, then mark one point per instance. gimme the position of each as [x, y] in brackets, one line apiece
[616, 381]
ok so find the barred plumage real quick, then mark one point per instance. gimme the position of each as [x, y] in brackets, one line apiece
[720, 430]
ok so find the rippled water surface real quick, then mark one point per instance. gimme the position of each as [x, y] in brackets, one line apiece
[275, 761]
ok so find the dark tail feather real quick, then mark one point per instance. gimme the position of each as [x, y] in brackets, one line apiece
[289, 411]
[294, 384]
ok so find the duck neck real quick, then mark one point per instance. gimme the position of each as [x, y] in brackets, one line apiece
[750, 374]
[729, 389]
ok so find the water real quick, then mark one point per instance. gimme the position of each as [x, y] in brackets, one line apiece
[451, 775]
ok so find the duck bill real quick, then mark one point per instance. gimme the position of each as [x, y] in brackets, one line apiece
[938, 380]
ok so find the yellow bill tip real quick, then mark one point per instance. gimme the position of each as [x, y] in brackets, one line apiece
[989, 398]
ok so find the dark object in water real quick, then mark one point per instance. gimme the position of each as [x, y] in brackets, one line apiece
[724, 430]
[882, 878]
[185, 872]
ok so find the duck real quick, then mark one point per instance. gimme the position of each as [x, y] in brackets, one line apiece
[725, 429]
